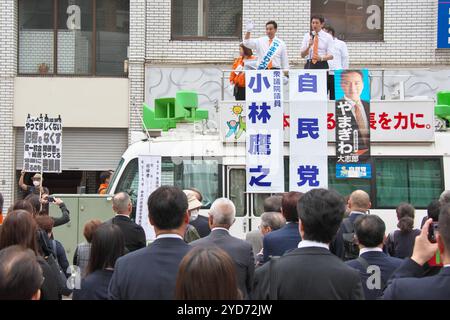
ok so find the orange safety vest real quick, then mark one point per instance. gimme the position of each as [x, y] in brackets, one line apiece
[103, 188]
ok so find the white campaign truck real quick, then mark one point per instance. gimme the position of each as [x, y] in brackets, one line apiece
[206, 157]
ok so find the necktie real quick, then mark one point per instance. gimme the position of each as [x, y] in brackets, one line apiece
[362, 125]
[270, 63]
[315, 48]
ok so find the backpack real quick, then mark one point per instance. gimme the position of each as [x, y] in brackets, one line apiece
[351, 248]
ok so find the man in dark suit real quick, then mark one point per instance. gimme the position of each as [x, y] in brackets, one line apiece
[407, 282]
[133, 233]
[221, 218]
[352, 83]
[311, 271]
[359, 204]
[150, 273]
[202, 225]
[375, 267]
[277, 242]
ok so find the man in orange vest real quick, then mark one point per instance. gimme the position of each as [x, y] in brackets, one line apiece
[105, 178]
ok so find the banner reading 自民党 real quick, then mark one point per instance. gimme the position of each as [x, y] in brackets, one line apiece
[308, 164]
[43, 144]
[149, 181]
[264, 131]
[352, 91]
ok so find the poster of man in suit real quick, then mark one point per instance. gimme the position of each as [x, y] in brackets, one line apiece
[352, 116]
[353, 120]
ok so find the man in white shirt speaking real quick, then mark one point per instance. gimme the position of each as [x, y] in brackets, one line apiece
[317, 45]
[270, 50]
[340, 58]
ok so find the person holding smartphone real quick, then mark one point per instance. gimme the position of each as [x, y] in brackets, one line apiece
[408, 282]
[46, 200]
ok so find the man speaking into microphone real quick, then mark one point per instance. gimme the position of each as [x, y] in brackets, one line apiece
[317, 46]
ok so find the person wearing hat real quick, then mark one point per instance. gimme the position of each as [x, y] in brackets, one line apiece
[36, 188]
[201, 223]
[194, 206]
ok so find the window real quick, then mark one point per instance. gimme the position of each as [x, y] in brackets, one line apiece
[258, 203]
[203, 174]
[36, 37]
[73, 37]
[112, 25]
[238, 182]
[116, 173]
[129, 181]
[206, 19]
[74, 33]
[353, 20]
[414, 180]
[417, 181]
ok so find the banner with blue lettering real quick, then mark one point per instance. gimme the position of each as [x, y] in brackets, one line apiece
[308, 163]
[443, 30]
[264, 131]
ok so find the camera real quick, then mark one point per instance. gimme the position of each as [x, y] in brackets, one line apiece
[51, 199]
[432, 232]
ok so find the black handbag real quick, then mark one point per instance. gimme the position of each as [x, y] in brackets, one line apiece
[61, 279]
[52, 261]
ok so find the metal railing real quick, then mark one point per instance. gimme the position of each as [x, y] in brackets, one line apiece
[372, 75]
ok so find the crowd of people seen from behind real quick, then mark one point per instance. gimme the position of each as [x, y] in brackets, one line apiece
[317, 245]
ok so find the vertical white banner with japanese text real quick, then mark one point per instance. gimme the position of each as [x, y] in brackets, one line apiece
[264, 131]
[308, 164]
[149, 181]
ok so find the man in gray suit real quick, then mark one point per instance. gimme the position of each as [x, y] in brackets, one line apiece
[221, 218]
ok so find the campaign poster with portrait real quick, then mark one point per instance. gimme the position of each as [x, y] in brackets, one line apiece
[352, 91]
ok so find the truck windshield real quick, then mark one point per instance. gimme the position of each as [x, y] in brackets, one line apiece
[116, 173]
[202, 174]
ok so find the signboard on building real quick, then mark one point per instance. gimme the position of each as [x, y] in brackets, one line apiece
[390, 121]
[443, 30]
[149, 181]
[308, 161]
[264, 131]
[43, 144]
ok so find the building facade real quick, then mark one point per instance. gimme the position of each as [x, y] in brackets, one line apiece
[95, 62]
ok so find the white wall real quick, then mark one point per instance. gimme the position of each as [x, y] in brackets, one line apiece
[81, 102]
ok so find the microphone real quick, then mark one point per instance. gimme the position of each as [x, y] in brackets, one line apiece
[313, 34]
